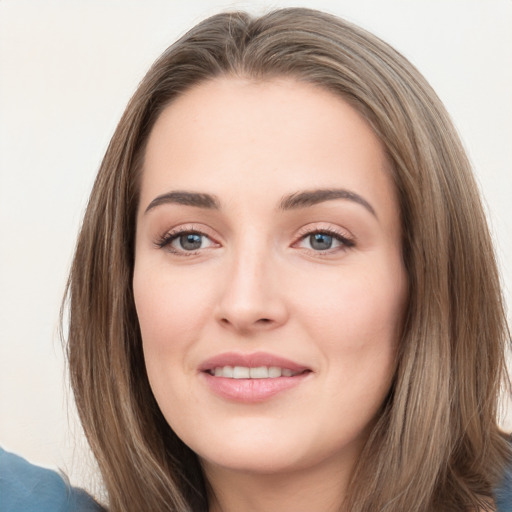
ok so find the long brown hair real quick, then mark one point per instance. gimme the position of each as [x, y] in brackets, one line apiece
[436, 445]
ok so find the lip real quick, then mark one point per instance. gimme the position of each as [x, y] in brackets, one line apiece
[251, 390]
[251, 360]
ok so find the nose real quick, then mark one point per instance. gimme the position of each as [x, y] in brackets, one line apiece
[252, 298]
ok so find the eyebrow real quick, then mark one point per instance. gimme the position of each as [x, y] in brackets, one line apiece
[293, 201]
[186, 198]
[312, 197]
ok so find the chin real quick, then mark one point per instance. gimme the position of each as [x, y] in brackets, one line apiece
[266, 450]
[258, 450]
[256, 462]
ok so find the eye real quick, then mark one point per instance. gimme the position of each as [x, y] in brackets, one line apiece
[185, 242]
[325, 241]
[321, 241]
[189, 241]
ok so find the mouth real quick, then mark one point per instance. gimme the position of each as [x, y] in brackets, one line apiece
[258, 372]
[251, 378]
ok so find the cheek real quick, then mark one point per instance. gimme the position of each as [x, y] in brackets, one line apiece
[360, 308]
[171, 314]
[356, 323]
[171, 310]
[357, 326]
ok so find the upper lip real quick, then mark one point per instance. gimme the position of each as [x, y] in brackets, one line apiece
[253, 360]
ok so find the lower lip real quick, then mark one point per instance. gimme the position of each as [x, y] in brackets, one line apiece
[251, 390]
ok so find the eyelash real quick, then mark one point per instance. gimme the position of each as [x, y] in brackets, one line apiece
[165, 241]
[345, 241]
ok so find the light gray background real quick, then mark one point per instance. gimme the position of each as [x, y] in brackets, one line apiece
[68, 68]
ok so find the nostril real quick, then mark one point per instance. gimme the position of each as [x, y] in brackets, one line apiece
[247, 322]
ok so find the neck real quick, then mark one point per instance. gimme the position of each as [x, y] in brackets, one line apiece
[322, 489]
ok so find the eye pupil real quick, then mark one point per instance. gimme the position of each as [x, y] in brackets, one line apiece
[191, 241]
[320, 241]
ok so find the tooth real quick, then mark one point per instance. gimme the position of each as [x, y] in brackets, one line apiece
[241, 372]
[227, 371]
[274, 371]
[244, 372]
[261, 372]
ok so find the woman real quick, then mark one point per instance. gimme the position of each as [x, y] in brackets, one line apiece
[284, 294]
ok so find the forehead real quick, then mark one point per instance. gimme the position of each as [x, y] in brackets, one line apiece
[286, 134]
[213, 107]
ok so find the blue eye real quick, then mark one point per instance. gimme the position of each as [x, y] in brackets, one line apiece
[325, 241]
[189, 241]
[185, 242]
[320, 241]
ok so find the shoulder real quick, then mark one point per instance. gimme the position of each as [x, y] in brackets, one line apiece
[24, 486]
[504, 492]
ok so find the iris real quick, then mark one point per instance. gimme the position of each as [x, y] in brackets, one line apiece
[191, 241]
[320, 241]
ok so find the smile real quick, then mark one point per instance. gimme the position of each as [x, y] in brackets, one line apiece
[252, 378]
[259, 372]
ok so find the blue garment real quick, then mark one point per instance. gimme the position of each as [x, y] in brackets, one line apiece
[504, 493]
[28, 488]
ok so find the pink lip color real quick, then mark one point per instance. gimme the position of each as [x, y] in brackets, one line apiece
[251, 390]
[251, 360]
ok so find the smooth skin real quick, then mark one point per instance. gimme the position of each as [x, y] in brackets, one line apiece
[246, 269]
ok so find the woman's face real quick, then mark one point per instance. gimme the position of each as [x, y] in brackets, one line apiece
[268, 281]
